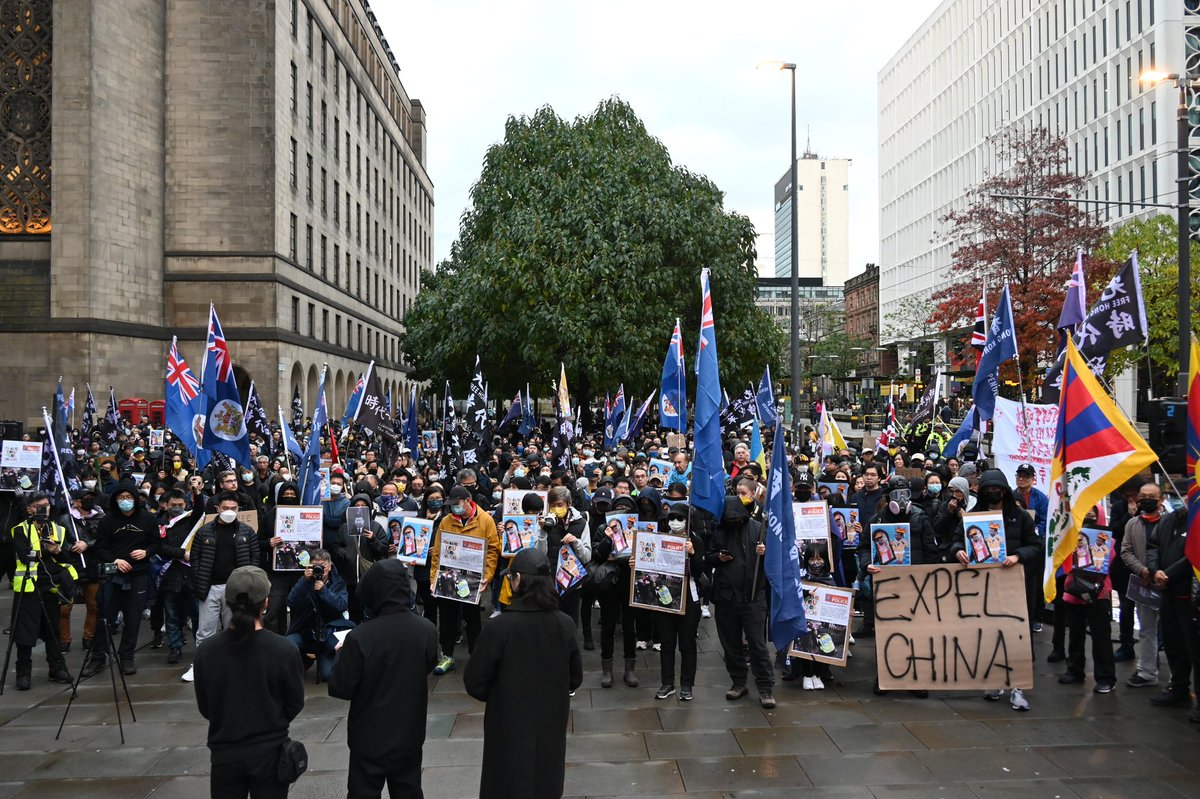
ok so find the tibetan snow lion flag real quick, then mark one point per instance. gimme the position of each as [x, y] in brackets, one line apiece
[1096, 449]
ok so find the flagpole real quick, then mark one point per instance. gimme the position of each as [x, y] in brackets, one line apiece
[62, 480]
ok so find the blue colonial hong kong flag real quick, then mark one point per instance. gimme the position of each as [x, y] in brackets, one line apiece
[1001, 345]
[224, 416]
[289, 438]
[708, 468]
[1096, 450]
[613, 421]
[182, 413]
[514, 412]
[781, 564]
[352, 403]
[412, 427]
[765, 398]
[310, 477]
[672, 402]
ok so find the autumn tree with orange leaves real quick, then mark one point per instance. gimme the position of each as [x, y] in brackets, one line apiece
[1031, 244]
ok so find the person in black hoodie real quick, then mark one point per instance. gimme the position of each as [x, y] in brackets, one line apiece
[740, 594]
[382, 667]
[127, 536]
[355, 549]
[275, 618]
[525, 665]
[1021, 542]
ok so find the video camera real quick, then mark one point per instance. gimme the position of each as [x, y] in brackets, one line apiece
[318, 572]
[107, 570]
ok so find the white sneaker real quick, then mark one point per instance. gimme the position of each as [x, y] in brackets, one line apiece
[642, 644]
[495, 613]
[1018, 701]
[705, 613]
[188, 676]
[817, 684]
[807, 685]
[852, 640]
[657, 647]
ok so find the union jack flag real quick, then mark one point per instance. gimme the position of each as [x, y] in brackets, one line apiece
[707, 329]
[217, 348]
[979, 331]
[181, 377]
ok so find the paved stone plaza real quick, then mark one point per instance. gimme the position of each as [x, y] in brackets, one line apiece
[841, 742]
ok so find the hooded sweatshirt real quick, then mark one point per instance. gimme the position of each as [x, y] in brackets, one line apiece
[382, 668]
[1020, 535]
[119, 534]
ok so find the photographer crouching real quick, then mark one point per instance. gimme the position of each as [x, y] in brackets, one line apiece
[318, 601]
[40, 580]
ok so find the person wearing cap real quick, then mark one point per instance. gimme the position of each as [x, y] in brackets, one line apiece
[1037, 503]
[525, 666]
[250, 687]
[381, 668]
[467, 519]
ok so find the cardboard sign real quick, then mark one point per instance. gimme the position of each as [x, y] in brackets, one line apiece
[952, 628]
[676, 440]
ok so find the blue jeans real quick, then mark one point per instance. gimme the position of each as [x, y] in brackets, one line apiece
[178, 608]
[323, 650]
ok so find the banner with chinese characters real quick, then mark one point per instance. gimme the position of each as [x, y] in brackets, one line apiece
[1024, 434]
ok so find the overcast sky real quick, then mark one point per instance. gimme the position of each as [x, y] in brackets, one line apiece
[688, 70]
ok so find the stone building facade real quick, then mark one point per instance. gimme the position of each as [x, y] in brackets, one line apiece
[263, 156]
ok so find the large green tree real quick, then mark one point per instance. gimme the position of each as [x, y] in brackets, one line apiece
[1155, 241]
[582, 244]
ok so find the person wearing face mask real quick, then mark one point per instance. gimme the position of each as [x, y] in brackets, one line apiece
[815, 562]
[83, 518]
[1171, 573]
[356, 549]
[127, 536]
[466, 518]
[433, 506]
[1021, 543]
[931, 495]
[1089, 609]
[1139, 531]
[175, 587]
[740, 594]
[672, 631]
[333, 510]
[285, 494]
[222, 545]
[563, 524]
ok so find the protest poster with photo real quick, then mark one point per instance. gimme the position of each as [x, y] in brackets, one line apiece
[20, 465]
[1094, 550]
[828, 610]
[517, 533]
[512, 497]
[812, 524]
[429, 440]
[984, 538]
[841, 523]
[659, 573]
[156, 439]
[890, 544]
[461, 560]
[645, 527]
[570, 572]
[323, 476]
[619, 527]
[829, 491]
[300, 529]
[659, 468]
[359, 520]
[411, 537]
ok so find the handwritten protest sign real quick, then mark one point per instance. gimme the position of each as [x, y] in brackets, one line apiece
[952, 628]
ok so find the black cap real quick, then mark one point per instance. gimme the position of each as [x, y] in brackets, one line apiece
[1027, 469]
[603, 494]
[459, 492]
[528, 561]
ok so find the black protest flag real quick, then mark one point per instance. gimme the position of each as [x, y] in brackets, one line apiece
[256, 419]
[451, 443]
[89, 412]
[738, 415]
[1118, 319]
[297, 411]
[373, 414]
[476, 419]
[110, 425]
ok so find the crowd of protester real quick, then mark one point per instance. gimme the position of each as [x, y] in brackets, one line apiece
[159, 549]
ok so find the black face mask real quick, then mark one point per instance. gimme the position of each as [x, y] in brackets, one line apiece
[992, 497]
[289, 500]
[803, 494]
[87, 504]
[818, 569]
[1147, 505]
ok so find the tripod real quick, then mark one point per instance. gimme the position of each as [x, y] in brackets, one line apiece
[111, 655]
[16, 618]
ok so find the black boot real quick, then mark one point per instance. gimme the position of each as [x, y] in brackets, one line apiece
[588, 643]
[606, 679]
[24, 668]
[630, 678]
[94, 665]
[59, 673]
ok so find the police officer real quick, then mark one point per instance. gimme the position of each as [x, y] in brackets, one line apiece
[39, 579]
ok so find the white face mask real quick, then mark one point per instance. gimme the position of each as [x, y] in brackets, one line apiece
[89, 483]
[227, 516]
[676, 525]
[286, 475]
[335, 489]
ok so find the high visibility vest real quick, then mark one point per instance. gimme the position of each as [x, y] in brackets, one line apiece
[21, 581]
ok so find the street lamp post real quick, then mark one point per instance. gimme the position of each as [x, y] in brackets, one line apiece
[795, 348]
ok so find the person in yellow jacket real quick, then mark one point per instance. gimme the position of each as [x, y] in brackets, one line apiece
[467, 519]
[39, 578]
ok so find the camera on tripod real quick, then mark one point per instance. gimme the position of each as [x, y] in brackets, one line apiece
[107, 570]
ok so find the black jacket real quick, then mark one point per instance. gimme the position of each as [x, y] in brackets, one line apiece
[922, 543]
[117, 535]
[1020, 534]
[1165, 551]
[524, 665]
[737, 534]
[204, 554]
[382, 668]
